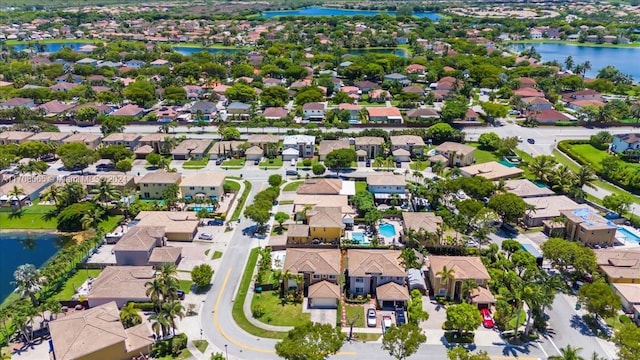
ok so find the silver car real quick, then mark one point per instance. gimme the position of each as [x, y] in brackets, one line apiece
[372, 319]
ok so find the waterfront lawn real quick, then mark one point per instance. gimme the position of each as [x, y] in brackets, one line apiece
[111, 222]
[30, 217]
[292, 186]
[69, 288]
[278, 314]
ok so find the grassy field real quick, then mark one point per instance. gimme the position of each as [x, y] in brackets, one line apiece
[196, 164]
[292, 186]
[76, 280]
[238, 312]
[201, 345]
[233, 186]
[361, 186]
[235, 163]
[278, 314]
[30, 217]
[418, 165]
[483, 156]
[272, 163]
[355, 313]
[216, 255]
[241, 201]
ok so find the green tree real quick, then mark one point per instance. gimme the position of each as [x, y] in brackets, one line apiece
[258, 212]
[175, 95]
[542, 167]
[403, 341]
[568, 353]
[87, 113]
[241, 92]
[28, 282]
[415, 313]
[442, 132]
[409, 259]
[510, 246]
[308, 94]
[447, 277]
[274, 96]
[154, 159]
[34, 149]
[275, 180]
[463, 317]
[599, 299]
[129, 315]
[454, 109]
[105, 191]
[341, 97]
[489, 141]
[281, 217]
[170, 194]
[201, 275]
[311, 341]
[494, 110]
[318, 169]
[626, 338]
[124, 166]
[619, 203]
[141, 92]
[564, 254]
[91, 219]
[230, 133]
[460, 353]
[17, 193]
[111, 125]
[509, 207]
[340, 159]
[115, 153]
[76, 155]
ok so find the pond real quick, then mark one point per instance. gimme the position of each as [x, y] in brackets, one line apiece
[17, 248]
[397, 52]
[624, 59]
[321, 11]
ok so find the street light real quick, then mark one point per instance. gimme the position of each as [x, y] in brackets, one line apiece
[226, 352]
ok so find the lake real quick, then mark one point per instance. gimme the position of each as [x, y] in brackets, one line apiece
[321, 11]
[396, 52]
[624, 59]
[17, 248]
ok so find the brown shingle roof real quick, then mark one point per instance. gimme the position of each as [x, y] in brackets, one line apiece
[173, 221]
[369, 140]
[263, 139]
[326, 217]
[449, 146]
[421, 220]
[140, 238]
[324, 289]
[402, 140]
[317, 261]
[165, 254]
[386, 179]
[122, 282]
[464, 267]
[161, 177]
[205, 178]
[392, 291]
[327, 146]
[363, 262]
[320, 187]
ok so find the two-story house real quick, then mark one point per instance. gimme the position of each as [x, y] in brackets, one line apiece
[14, 137]
[456, 154]
[136, 64]
[395, 77]
[320, 269]
[16, 103]
[92, 141]
[537, 103]
[128, 140]
[191, 149]
[386, 186]
[159, 143]
[387, 115]
[48, 137]
[625, 142]
[267, 142]
[588, 227]
[327, 146]
[369, 147]
[403, 147]
[447, 273]
[313, 111]
[154, 183]
[324, 224]
[136, 246]
[378, 272]
[621, 268]
[207, 185]
[354, 111]
[204, 109]
[298, 146]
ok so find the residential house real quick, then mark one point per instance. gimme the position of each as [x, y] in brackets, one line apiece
[298, 146]
[48, 137]
[415, 69]
[97, 333]
[92, 141]
[120, 284]
[16, 103]
[492, 170]
[420, 221]
[395, 77]
[320, 269]
[327, 146]
[366, 86]
[390, 115]
[179, 225]
[136, 245]
[414, 90]
[275, 113]
[527, 92]
[206, 109]
[63, 87]
[323, 186]
[153, 184]
[324, 225]
[403, 147]
[580, 104]
[369, 147]
[550, 116]
[546, 208]
[535, 34]
[423, 114]
[239, 110]
[623, 143]
[15, 137]
[87, 61]
[128, 140]
[586, 94]
[118, 180]
[160, 143]
[129, 110]
[527, 82]
[526, 189]
[378, 272]
[227, 149]
[471, 115]
[159, 63]
[621, 269]
[136, 64]
[463, 268]
[537, 103]
[588, 227]
[267, 142]
[191, 149]
[207, 185]
[386, 186]
[32, 186]
[313, 111]
[54, 108]
[379, 96]
[456, 154]
[354, 111]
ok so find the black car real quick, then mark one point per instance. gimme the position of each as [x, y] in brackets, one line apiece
[180, 294]
[256, 162]
[215, 222]
[531, 141]
[219, 162]
[400, 318]
[368, 163]
[398, 164]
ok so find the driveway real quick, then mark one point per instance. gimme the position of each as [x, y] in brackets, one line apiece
[324, 316]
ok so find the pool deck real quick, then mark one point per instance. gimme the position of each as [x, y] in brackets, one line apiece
[388, 240]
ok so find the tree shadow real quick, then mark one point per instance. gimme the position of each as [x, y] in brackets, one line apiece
[578, 323]
[512, 349]
[16, 215]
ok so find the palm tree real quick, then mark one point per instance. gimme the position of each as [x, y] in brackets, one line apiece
[16, 192]
[28, 282]
[438, 167]
[155, 291]
[105, 191]
[468, 285]
[586, 66]
[160, 324]
[568, 353]
[129, 316]
[53, 194]
[92, 219]
[173, 309]
[585, 177]
[605, 115]
[568, 62]
[447, 277]
[635, 111]
[541, 167]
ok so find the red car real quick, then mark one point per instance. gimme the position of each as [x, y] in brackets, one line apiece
[487, 319]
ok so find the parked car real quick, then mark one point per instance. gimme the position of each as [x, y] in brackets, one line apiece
[292, 172]
[219, 162]
[368, 163]
[531, 141]
[487, 319]
[205, 236]
[509, 228]
[256, 162]
[520, 139]
[386, 323]
[372, 320]
[398, 164]
[400, 318]
[180, 294]
[215, 222]
[293, 162]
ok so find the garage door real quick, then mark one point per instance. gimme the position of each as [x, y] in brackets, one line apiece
[324, 303]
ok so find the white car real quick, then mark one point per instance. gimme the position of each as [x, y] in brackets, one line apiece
[520, 139]
[372, 319]
[386, 322]
[205, 236]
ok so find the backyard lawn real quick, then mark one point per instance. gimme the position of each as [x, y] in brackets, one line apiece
[292, 186]
[185, 285]
[30, 217]
[69, 288]
[483, 156]
[277, 314]
[272, 163]
[361, 186]
[589, 153]
[418, 165]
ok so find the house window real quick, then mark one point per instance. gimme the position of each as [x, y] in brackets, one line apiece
[359, 280]
[316, 277]
[145, 185]
[442, 292]
[192, 188]
[359, 290]
[478, 281]
[332, 277]
[212, 188]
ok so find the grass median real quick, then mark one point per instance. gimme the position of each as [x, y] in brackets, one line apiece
[243, 199]
[238, 305]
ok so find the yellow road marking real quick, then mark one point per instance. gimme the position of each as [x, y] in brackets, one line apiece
[237, 343]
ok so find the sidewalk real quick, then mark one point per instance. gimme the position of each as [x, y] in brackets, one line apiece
[233, 206]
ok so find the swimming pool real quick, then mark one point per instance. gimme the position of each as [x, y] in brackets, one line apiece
[200, 207]
[629, 235]
[359, 238]
[507, 163]
[387, 230]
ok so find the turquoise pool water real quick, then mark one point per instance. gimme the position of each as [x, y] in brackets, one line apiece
[359, 238]
[507, 163]
[629, 235]
[200, 207]
[387, 230]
